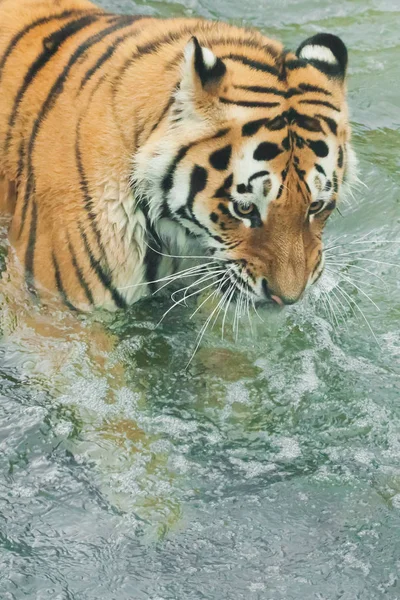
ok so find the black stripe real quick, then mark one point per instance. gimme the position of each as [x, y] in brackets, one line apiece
[51, 45]
[29, 188]
[267, 151]
[169, 38]
[18, 36]
[340, 157]
[293, 92]
[330, 122]
[164, 112]
[246, 43]
[168, 179]
[223, 190]
[335, 182]
[129, 20]
[147, 49]
[49, 103]
[79, 274]
[303, 88]
[155, 46]
[221, 133]
[306, 122]
[84, 186]
[139, 128]
[220, 158]
[254, 64]
[259, 89]
[257, 175]
[306, 87]
[21, 162]
[252, 127]
[198, 183]
[30, 250]
[104, 277]
[152, 257]
[160, 119]
[300, 172]
[57, 87]
[319, 147]
[248, 103]
[224, 209]
[151, 262]
[59, 283]
[295, 63]
[321, 103]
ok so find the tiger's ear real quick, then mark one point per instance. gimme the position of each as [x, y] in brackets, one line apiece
[201, 68]
[327, 53]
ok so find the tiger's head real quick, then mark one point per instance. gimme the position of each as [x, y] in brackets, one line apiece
[251, 161]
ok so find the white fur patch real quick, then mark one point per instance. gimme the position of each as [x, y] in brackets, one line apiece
[209, 58]
[315, 52]
[244, 166]
[189, 51]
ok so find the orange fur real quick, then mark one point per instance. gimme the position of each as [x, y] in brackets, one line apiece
[70, 151]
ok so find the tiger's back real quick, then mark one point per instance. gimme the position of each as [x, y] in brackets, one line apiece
[93, 105]
[45, 58]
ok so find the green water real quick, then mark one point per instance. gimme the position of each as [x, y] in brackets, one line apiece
[270, 469]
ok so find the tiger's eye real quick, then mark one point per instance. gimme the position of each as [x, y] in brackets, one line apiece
[244, 211]
[315, 207]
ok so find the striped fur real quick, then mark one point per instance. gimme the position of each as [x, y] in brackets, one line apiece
[120, 133]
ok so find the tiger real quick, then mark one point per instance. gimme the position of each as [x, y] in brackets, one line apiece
[128, 142]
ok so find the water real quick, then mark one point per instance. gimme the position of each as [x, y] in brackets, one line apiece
[271, 468]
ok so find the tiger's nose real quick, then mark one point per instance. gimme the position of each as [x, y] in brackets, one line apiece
[283, 300]
[278, 299]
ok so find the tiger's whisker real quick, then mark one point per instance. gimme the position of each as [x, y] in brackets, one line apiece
[194, 284]
[340, 272]
[359, 252]
[212, 293]
[340, 237]
[331, 313]
[351, 303]
[186, 276]
[343, 308]
[223, 297]
[326, 307]
[248, 314]
[349, 280]
[379, 262]
[208, 257]
[231, 293]
[203, 302]
[356, 242]
[220, 308]
[256, 311]
[171, 277]
[179, 302]
[359, 268]
[201, 334]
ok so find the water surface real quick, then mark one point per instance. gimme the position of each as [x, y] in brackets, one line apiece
[270, 469]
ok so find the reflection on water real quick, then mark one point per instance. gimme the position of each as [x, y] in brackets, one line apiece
[270, 467]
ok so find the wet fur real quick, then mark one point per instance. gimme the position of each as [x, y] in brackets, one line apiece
[98, 110]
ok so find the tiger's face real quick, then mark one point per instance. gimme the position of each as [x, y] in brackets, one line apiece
[257, 165]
